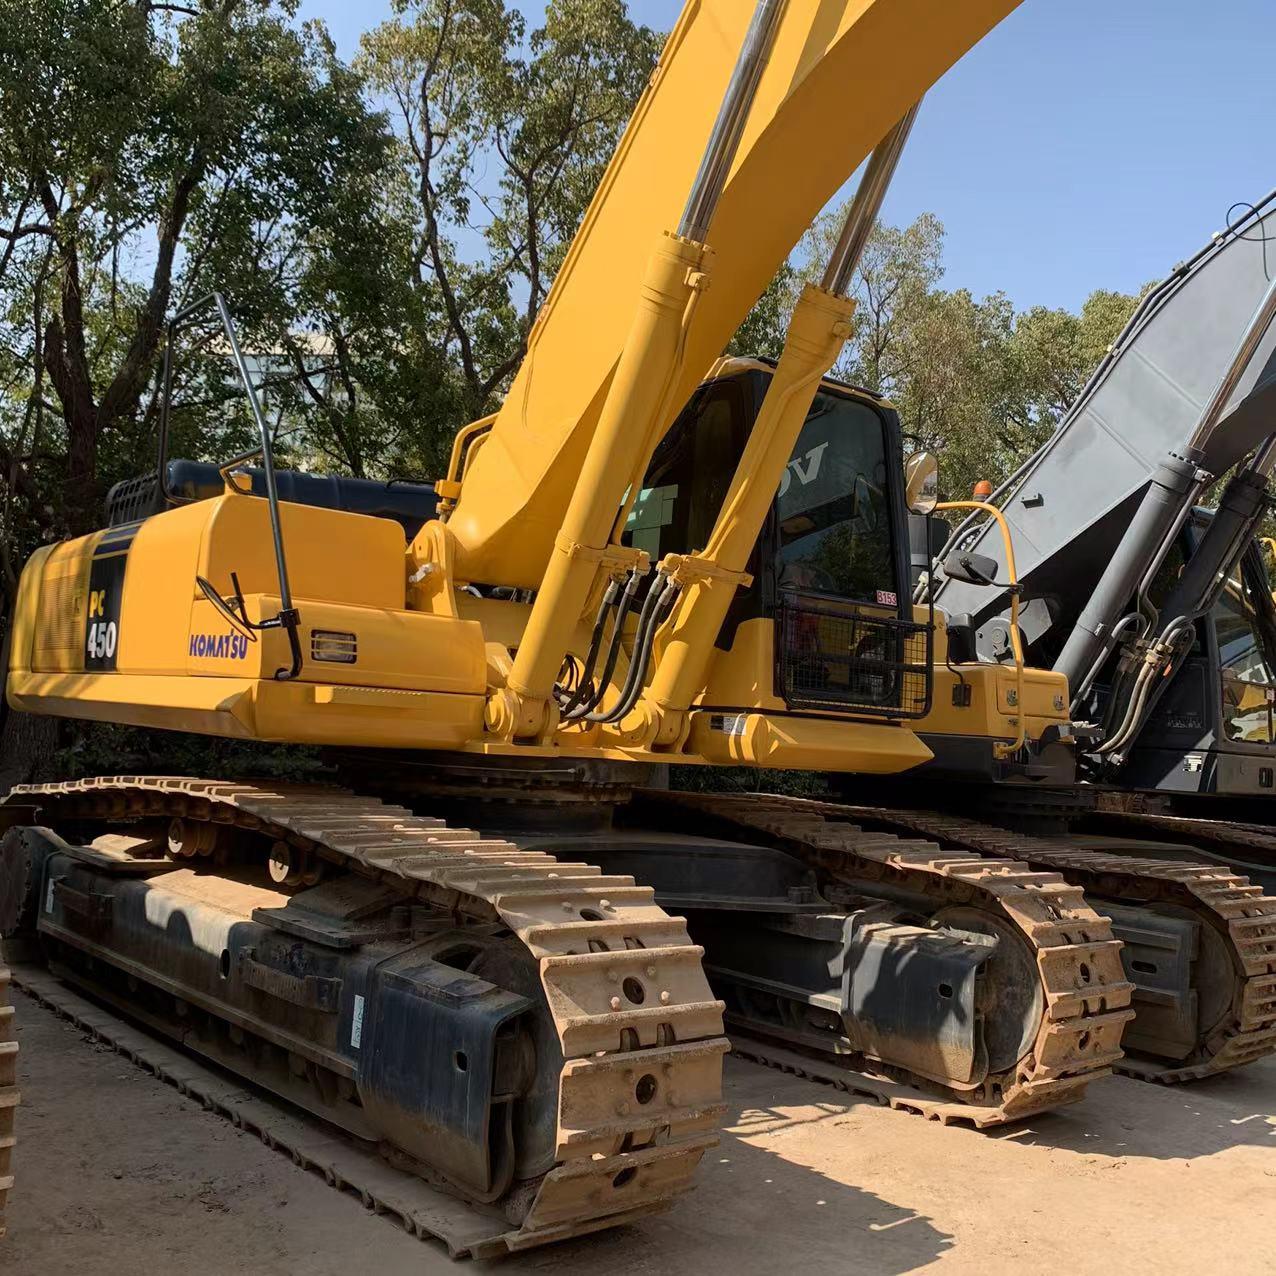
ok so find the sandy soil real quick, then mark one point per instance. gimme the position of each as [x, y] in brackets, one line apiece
[116, 1172]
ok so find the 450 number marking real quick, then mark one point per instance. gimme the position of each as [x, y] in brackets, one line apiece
[103, 634]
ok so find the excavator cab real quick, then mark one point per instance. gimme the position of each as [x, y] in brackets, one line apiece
[825, 620]
[1214, 729]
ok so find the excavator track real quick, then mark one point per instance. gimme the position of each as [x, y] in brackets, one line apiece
[1228, 838]
[1237, 910]
[1086, 996]
[622, 1150]
[8, 1088]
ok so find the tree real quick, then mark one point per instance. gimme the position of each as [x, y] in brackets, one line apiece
[763, 331]
[504, 136]
[147, 154]
[975, 381]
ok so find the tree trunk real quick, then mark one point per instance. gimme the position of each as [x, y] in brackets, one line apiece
[27, 746]
[82, 496]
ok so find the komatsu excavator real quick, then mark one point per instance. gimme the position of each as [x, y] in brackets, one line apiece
[647, 557]
[1095, 557]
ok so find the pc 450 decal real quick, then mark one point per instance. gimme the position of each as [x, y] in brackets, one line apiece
[103, 638]
[106, 595]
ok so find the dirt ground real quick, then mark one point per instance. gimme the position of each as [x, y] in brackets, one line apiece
[116, 1172]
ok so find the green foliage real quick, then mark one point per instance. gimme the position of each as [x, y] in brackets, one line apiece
[386, 232]
[147, 155]
[502, 137]
[98, 748]
[748, 779]
[762, 332]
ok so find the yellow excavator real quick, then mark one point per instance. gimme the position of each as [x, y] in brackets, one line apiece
[648, 556]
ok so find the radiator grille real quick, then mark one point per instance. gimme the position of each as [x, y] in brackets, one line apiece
[838, 657]
[59, 631]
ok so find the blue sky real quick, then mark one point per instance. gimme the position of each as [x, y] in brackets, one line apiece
[1083, 144]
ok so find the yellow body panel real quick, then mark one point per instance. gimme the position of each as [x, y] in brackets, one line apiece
[417, 680]
[52, 633]
[745, 675]
[248, 709]
[992, 712]
[795, 741]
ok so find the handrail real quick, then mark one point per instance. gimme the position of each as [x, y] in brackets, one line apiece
[287, 617]
[999, 748]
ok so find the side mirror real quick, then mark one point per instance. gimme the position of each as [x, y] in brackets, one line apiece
[971, 568]
[921, 482]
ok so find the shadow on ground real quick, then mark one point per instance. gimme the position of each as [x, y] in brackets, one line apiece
[755, 1209]
[1121, 1117]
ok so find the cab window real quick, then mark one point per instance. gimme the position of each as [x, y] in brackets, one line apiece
[833, 508]
[1243, 632]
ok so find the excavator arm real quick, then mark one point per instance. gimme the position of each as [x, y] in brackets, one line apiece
[839, 75]
[640, 310]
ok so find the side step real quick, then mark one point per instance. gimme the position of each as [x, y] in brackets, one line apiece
[425, 1212]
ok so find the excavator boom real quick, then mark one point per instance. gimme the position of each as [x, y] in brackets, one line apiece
[840, 73]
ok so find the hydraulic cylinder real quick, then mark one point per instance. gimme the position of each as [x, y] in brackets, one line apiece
[819, 328]
[637, 397]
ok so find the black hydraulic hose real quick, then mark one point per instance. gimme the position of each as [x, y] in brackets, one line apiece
[573, 698]
[592, 701]
[642, 658]
[647, 621]
[650, 606]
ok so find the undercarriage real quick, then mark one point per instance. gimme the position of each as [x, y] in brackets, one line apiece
[509, 1020]
[524, 1033]
[1198, 939]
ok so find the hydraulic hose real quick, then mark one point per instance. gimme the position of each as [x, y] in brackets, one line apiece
[642, 658]
[617, 642]
[571, 699]
[1152, 669]
[654, 610]
[649, 606]
[1113, 638]
[590, 702]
